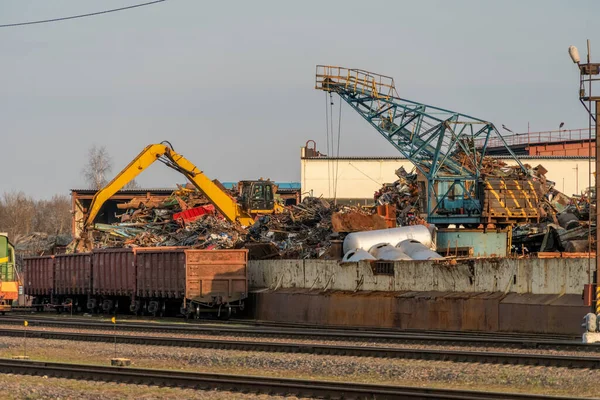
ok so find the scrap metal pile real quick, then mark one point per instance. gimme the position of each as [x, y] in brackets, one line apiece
[186, 218]
[562, 222]
[40, 244]
[406, 196]
[568, 231]
[303, 231]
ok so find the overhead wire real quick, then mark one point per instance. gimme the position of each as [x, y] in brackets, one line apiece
[327, 142]
[332, 137]
[337, 159]
[81, 15]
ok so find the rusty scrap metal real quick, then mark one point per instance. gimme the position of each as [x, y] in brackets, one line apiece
[304, 230]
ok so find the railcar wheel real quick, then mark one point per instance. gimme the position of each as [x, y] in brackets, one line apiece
[153, 307]
[135, 307]
[224, 312]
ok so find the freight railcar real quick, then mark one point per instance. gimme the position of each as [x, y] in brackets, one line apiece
[147, 281]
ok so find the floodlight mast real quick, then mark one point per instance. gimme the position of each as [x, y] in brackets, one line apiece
[589, 76]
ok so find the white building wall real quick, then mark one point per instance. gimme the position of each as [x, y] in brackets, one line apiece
[359, 178]
[348, 178]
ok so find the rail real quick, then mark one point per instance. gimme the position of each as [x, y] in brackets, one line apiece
[538, 137]
[431, 354]
[249, 383]
[285, 330]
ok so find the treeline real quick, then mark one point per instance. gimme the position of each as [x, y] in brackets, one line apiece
[21, 215]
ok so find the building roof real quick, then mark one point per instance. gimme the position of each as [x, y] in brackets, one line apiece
[283, 187]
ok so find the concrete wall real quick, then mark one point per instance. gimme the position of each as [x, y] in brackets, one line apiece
[534, 276]
[359, 178]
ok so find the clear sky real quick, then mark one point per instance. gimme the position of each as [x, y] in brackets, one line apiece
[231, 83]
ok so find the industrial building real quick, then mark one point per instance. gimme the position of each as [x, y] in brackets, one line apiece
[353, 180]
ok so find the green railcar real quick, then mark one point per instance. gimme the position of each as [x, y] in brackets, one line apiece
[7, 260]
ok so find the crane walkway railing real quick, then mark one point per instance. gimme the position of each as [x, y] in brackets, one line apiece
[542, 137]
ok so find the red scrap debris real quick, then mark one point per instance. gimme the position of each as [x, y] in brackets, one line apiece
[194, 213]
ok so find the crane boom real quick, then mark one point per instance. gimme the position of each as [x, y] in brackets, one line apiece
[226, 205]
[439, 142]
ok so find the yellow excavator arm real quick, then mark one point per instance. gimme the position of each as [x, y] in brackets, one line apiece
[226, 205]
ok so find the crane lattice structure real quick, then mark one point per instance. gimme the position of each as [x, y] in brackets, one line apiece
[439, 142]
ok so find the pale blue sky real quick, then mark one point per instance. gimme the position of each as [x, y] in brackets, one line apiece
[230, 84]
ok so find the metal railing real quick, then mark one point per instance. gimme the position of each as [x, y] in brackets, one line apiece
[563, 135]
[355, 80]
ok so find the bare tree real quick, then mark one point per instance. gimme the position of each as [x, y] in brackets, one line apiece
[17, 213]
[98, 165]
[53, 216]
[21, 215]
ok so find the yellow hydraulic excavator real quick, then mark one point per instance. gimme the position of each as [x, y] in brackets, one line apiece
[255, 197]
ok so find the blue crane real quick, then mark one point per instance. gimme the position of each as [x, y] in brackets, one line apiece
[446, 147]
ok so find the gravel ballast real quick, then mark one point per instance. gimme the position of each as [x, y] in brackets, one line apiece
[18, 387]
[592, 350]
[470, 376]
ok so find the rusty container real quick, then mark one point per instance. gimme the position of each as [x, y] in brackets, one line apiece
[216, 276]
[113, 272]
[388, 211]
[39, 275]
[72, 273]
[160, 272]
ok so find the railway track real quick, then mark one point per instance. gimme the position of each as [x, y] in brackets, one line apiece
[484, 357]
[470, 339]
[253, 384]
[265, 325]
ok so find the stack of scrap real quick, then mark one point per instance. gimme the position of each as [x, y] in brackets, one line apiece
[543, 218]
[311, 229]
[563, 221]
[304, 231]
[405, 195]
[185, 218]
[40, 244]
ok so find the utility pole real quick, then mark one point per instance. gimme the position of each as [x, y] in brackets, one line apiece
[589, 76]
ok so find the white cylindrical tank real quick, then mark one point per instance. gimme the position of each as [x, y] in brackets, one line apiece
[417, 250]
[387, 252]
[367, 239]
[357, 255]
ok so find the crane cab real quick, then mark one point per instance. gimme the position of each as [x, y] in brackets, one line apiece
[257, 197]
